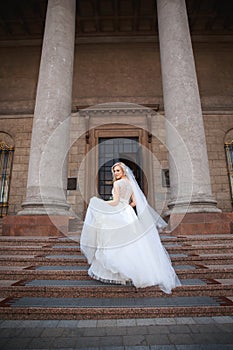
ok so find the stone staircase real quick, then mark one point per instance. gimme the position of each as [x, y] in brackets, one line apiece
[46, 278]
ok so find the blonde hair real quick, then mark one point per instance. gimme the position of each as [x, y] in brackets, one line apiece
[122, 166]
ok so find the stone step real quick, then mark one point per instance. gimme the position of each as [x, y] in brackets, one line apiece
[171, 238]
[42, 276]
[41, 260]
[30, 274]
[177, 259]
[38, 250]
[74, 239]
[75, 249]
[99, 308]
[21, 240]
[35, 242]
[110, 291]
[94, 283]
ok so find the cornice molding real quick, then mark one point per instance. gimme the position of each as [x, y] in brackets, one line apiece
[196, 38]
[118, 108]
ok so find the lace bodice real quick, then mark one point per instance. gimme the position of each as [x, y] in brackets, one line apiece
[125, 189]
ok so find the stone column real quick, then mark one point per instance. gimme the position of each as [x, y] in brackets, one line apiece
[189, 169]
[47, 175]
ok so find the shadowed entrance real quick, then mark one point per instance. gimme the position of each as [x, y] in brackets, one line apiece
[112, 150]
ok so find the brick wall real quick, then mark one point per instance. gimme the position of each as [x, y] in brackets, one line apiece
[20, 131]
[76, 167]
[216, 128]
[109, 73]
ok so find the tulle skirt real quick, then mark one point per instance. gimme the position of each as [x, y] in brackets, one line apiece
[122, 248]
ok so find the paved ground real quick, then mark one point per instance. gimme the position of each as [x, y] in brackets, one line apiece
[188, 333]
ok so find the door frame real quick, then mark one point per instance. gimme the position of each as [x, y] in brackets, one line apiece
[117, 130]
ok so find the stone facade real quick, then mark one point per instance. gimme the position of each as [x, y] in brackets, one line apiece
[105, 73]
[76, 156]
[216, 129]
[116, 72]
[20, 131]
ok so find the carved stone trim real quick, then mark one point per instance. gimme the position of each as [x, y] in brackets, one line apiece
[117, 109]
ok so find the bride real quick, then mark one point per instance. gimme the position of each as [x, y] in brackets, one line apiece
[122, 246]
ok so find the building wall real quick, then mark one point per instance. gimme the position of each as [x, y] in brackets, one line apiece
[112, 73]
[76, 168]
[19, 70]
[20, 131]
[214, 71]
[115, 72]
[216, 128]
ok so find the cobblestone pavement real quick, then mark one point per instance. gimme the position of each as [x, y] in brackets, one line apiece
[188, 333]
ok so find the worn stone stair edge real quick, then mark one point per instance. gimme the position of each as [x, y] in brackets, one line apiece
[75, 250]
[36, 313]
[186, 241]
[213, 290]
[31, 271]
[78, 274]
[39, 260]
[49, 240]
[49, 244]
[67, 239]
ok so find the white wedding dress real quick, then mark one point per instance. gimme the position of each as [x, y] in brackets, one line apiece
[123, 247]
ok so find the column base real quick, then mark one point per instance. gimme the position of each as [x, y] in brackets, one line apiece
[195, 204]
[201, 223]
[45, 208]
[35, 225]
